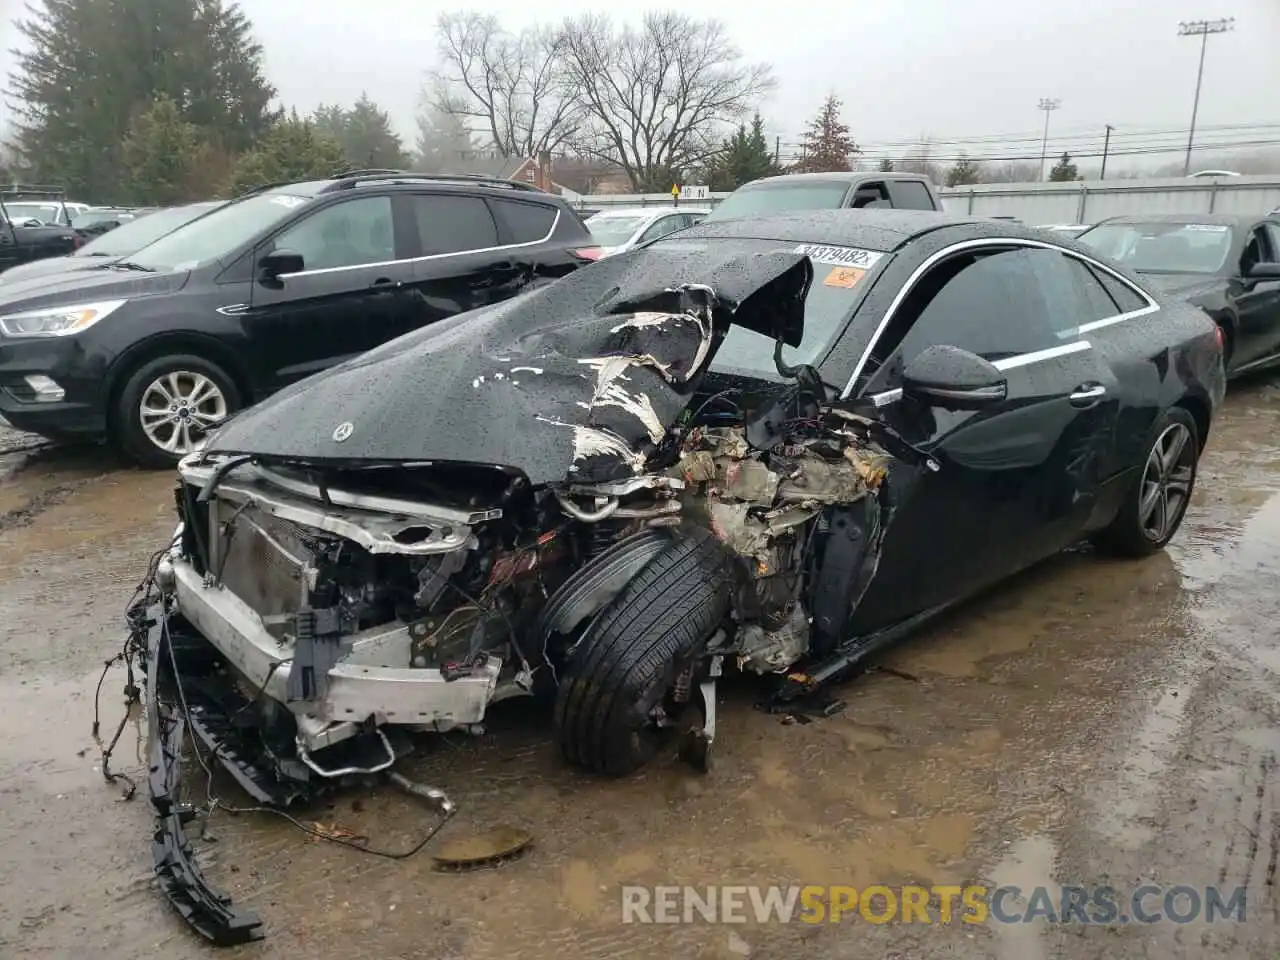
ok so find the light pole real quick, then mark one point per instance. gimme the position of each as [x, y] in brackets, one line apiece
[1201, 29]
[1106, 148]
[1048, 106]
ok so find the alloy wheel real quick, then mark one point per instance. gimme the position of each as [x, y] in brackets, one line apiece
[1166, 482]
[180, 409]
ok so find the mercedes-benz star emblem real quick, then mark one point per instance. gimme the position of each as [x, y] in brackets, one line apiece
[342, 431]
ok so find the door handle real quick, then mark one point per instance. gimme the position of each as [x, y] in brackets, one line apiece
[1087, 394]
[385, 283]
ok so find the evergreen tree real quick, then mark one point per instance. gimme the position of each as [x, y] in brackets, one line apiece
[292, 150]
[827, 144]
[963, 171]
[159, 153]
[92, 67]
[744, 157]
[886, 166]
[368, 142]
[444, 140]
[1064, 169]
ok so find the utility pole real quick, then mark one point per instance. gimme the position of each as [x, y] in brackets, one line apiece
[1106, 148]
[777, 150]
[1201, 29]
[1048, 106]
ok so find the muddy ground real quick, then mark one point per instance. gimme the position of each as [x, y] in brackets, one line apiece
[1094, 722]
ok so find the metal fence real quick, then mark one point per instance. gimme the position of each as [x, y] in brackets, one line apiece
[1081, 201]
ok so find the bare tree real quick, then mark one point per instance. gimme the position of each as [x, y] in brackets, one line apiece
[920, 161]
[1012, 171]
[510, 86]
[656, 97]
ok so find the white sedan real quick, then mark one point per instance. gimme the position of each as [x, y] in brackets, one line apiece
[624, 228]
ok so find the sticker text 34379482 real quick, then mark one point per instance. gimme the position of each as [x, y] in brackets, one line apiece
[840, 256]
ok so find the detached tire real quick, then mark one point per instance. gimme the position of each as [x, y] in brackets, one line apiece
[183, 394]
[1157, 498]
[631, 653]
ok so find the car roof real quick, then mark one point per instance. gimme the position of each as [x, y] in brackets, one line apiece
[882, 230]
[1217, 219]
[408, 180]
[836, 176]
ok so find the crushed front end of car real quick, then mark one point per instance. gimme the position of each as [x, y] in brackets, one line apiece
[525, 503]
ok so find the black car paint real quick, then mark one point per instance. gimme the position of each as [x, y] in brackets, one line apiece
[265, 334]
[1248, 311]
[1017, 482]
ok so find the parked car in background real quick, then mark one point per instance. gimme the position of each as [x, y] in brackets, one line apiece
[56, 213]
[24, 239]
[158, 348]
[98, 220]
[626, 227]
[1227, 265]
[102, 251]
[1066, 229]
[828, 191]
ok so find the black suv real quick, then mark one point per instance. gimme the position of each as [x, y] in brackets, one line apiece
[156, 349]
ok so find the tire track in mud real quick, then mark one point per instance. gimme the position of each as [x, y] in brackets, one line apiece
[26, 514]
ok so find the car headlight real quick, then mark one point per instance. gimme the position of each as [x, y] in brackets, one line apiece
[57, 321]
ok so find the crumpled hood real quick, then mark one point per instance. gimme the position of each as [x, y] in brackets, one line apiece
[1187, 286]
[576, 381]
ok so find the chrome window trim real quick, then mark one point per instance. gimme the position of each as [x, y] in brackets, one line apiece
[432, 256]
[977, 244]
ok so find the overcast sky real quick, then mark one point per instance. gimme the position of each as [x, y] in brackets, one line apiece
[903, 67]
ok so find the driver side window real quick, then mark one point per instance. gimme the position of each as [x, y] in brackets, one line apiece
[347, 234]
[997, 305]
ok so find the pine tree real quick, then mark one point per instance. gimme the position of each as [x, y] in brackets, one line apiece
[293, 150]
[1064, 169]
[964, 171]
[159, 154]
[444, 141]
[744, 157]
[368, 142]
[91, 68]
[827, 144]
[886, 166]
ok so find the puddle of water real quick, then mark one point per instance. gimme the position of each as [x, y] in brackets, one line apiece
[1029, 863]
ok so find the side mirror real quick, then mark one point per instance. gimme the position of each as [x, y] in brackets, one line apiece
[1263, 271]
[278, 263]
[953, 379]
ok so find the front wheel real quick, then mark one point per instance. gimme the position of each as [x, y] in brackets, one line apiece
[168, 407]
[614, 704]
[1157, 500]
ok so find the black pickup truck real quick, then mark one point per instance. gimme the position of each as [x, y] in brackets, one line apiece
[20, 243]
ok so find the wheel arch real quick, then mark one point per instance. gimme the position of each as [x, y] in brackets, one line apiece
[1201, 412]
[165, 344]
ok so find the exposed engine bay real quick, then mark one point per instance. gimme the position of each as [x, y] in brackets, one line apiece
[316, 612]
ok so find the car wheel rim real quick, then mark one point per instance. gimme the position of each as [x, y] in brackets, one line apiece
[180, 409]
[1166, 482]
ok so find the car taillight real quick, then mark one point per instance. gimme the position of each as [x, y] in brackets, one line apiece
[588, 253]
[77, 242]
[1219, 338]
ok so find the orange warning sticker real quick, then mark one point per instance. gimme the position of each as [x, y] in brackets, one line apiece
[846, 277]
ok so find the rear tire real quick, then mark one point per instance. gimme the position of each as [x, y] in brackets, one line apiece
[1157, 498]
[185, 397]
[628, 659]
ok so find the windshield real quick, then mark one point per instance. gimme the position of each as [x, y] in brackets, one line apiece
[837, 285]
[44, 212]
[613, 231]
[752, 201]
[133, 235]
[1162, 247]
[214, 236]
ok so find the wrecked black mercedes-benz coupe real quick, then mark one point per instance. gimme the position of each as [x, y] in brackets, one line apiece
[771, 445]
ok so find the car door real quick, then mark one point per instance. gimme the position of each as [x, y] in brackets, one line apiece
[1017, 480]
[350, 296]
[1258, 301]
[462, 265]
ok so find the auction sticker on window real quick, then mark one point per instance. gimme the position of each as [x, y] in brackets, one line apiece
[1206, 228]
[839, 256]
[846, 277]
